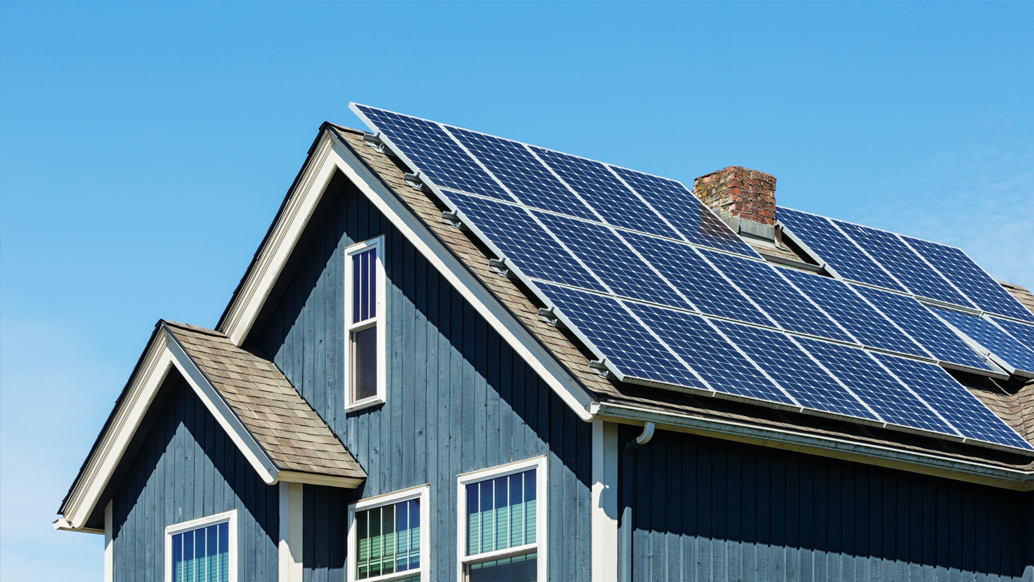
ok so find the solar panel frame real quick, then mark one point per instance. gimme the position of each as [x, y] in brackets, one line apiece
[1018, 359]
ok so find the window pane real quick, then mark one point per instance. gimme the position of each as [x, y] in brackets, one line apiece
[364, 286]
[516, 569]
[364, 363]
[501, 513]
[201, 555]
[388, 539]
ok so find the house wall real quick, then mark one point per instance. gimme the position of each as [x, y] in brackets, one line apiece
[706, 509]
[187, 468]
[458, 399]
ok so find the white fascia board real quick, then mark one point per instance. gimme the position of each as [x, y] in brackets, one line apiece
[331, 155]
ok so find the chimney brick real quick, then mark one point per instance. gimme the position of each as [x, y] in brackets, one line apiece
[739, 192]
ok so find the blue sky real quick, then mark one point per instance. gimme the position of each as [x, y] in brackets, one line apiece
[145, 147]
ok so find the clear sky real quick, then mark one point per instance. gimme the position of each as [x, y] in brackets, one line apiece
[145, 148]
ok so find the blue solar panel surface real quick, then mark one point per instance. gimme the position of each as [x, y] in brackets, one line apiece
[873, 385]
[626, 343]
[707, 352]
[526, 177]
[695, 222]
[701, 283]
[776, 297]
[605, 193]
[866, 324]
[952, 401]
[965, 274]
[1020, 332]
[435, 154]
[991, 337]
[836, 249]
[790, 366]
[903, 263]
[929, 331]
[613, 262]
[523, 241]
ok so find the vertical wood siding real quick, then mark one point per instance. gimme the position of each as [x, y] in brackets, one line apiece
[189, 468]
[458, 399]
[707, 509]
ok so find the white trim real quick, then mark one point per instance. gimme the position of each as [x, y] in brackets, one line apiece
[229, 517]
[540, 547]
[291, 538]
[604, 501]
[109, 545]
[379, 320]
[423, 494]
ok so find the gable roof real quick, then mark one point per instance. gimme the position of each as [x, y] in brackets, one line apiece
[282, 437]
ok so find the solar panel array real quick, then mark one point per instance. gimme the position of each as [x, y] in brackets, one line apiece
[663, 292]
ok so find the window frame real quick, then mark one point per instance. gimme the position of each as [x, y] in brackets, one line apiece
[229, 517]
[379, 320]
[540, 465]
[423, 493]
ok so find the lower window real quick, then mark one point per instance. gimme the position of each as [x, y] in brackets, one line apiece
[387, 537]
[502, 523]
[202, 550]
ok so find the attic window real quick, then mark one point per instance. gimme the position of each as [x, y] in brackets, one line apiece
[364, 323]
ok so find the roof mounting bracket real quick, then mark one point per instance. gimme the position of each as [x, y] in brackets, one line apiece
[548, 316]
[415, 181]
[374, 140]
[452, 218]
[500, 267]
[599, 367]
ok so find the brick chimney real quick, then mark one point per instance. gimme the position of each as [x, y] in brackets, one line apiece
[744, 199]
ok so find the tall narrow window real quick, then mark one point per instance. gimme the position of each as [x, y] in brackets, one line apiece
[502, 523]
[364, 317]
[202, 550]
[387, 537]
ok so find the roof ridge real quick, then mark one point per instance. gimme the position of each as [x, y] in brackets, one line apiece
[191, 327]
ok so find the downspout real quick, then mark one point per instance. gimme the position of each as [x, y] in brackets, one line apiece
[627, 484]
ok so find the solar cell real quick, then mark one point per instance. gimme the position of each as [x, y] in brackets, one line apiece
[696, 223]
[952, 401]
[794, 370]
[619, 337]
[775, 296]
[866, 324]
[613, 262]
[709, 354]
[888, 397]
[991, 338]
[701, 283]
[526, 177]
[926, 329]
[972, 280]
[523, 241]
[433, 152]
[906, 266]
[1021, 333]
[835, 249]
[605, 193]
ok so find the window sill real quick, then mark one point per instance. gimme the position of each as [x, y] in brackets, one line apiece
[364, 403]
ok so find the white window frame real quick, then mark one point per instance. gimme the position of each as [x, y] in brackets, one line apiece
[541, 516]
[178, 528]
[379, 320]
[423, 493]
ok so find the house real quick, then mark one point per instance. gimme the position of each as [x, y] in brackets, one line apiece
[400, 390]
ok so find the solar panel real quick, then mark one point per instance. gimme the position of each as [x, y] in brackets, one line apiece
[613, 262]
[965, 274]
[618, 336]
[794, 370]
[605, 193]
[866, 324]
[526, 177]
[701, 283]
[845, 257]
[991, 338]
[523, 241]
[926, 329]
[906, 266]
[952, 401]
[1021, 333]
[696, 223]
[873, 385]
[426, 145]
[709, 354]
[775, 296]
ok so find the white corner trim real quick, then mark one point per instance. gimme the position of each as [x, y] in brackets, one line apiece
[229, 517]
[290, 547]
[109, 547]
[604, 501]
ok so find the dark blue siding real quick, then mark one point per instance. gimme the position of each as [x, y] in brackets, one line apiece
[188, 468]
[714, 510]
[458, 399]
